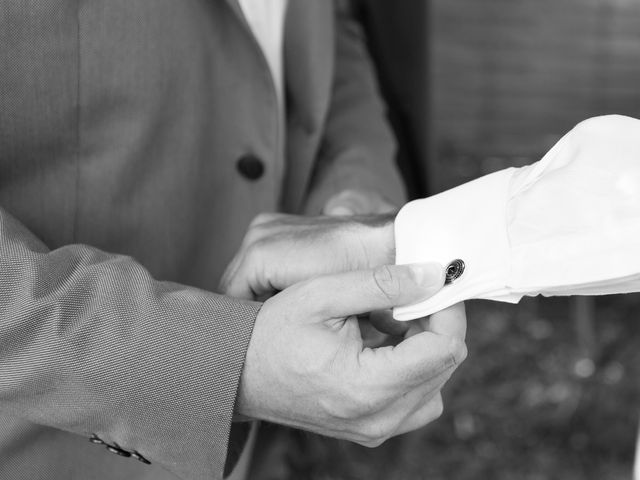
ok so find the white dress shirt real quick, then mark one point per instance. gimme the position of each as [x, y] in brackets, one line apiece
[266, 19]
[566, 225]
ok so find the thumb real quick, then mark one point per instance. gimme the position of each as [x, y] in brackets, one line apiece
[387, 286]
[451, 321]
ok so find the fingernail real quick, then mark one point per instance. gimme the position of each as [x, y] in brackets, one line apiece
[428, 274]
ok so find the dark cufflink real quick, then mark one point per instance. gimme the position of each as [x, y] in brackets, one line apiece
[138, 456]
[115, 448]
[96, 439]
[454, 270]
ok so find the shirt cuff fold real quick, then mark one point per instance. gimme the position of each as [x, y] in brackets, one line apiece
[466, 223]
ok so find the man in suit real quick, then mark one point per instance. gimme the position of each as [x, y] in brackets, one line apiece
[137, 142]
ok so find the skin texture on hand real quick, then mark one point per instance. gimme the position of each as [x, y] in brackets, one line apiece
[306, 365]
[280, 250]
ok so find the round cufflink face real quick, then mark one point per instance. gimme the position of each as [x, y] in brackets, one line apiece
[454, 270]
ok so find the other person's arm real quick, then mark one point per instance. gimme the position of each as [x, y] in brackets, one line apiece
[355, 172]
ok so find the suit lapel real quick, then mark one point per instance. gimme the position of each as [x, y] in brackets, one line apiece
[308, 60]
[237, 9]
[308, 54]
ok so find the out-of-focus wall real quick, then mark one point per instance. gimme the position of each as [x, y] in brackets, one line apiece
[509, 77]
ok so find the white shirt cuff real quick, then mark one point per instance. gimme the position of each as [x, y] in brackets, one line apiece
[466, 223]
[566, 225]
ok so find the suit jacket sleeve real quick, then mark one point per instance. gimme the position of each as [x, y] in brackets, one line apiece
[91, 344]
[358, 148]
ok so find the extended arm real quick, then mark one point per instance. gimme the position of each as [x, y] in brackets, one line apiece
[358, 147]
[91, 344]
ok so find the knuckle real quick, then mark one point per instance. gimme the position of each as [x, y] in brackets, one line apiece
[438, 407]
[459, 351]
[260, 227]
[456, 353]
[261, 248]
[386, 282]
[250, 237]
[369, 443]
[375, 433]
[251, 252]
[224, 282]
[261, 218]
[464, 352]
[225, 286]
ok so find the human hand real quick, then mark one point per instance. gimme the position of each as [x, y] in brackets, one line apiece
[306, 366]
[280, 250]
[357, 202]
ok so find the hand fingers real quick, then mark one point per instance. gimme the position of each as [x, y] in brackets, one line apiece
[343, 204]
[408, 411]
[339, 211]
[451, 321]
[371, 337]
[384, 322]
[228, 275]
[241, 281]
[234, 283]
[423, 356]
[412, 363]
[268, 217]
[355, 202]
[352, 293]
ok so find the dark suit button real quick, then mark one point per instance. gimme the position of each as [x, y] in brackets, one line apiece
[117, 450]
[140, 458]
[96, 439]
[250, 166]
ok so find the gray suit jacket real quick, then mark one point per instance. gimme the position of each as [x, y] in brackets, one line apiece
[149, 129]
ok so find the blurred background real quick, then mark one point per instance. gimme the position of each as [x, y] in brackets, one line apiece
[551, 388]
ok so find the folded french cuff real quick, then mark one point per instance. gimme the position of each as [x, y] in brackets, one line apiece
[466, 223]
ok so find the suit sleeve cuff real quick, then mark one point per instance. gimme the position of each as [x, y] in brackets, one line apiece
[182, 394]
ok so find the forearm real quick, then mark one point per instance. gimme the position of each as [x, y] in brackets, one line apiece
[91, 343]
[358, 147]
